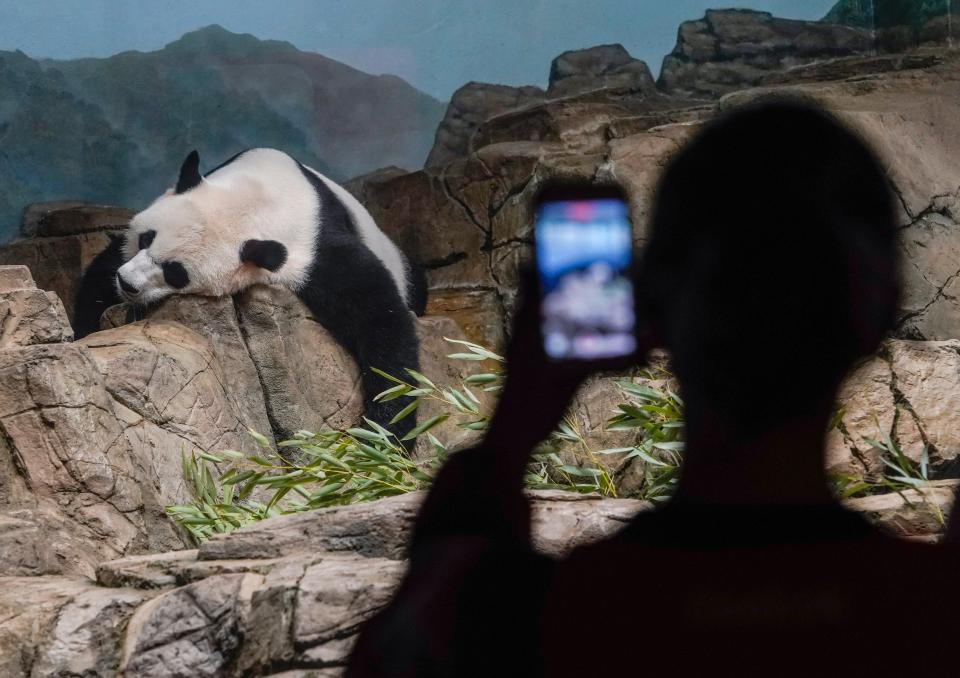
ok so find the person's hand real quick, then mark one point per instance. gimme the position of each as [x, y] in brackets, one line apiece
[537, 390]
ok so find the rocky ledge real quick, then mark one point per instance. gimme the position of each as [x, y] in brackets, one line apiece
[283, 597]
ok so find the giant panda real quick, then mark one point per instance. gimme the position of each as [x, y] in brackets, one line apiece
[263, 217]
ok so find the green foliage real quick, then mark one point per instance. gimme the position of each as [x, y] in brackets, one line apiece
[314, 470]
[331, 468]
[657, 417]
[901, 473]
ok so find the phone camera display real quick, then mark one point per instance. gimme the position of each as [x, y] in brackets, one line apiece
[584, 252]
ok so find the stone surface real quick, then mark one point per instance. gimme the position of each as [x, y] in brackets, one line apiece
[468, 108]
[15, 278]
[284, 371]
[72, 217]
[285, 596]
[908, 393]
[598, 67]
[732, 49]
[380, 529]
[917, 514]
[28, 315]
[60, 626]
[93, 434]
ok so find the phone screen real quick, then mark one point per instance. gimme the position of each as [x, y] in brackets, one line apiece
[584, 253]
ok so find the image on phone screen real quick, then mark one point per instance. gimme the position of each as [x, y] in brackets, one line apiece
[584, 253]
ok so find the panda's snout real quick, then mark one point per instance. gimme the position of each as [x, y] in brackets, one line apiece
[127, 287]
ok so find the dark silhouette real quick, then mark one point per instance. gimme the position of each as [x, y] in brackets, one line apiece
[770, 270]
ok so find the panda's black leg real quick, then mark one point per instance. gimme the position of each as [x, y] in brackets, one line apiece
[358, 303]
[98, 289]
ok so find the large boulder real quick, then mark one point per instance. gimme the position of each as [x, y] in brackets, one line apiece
[93, 434]
[285, 372]
[598, 67]
[605, 76]
[468, 108]
[29, 315]
[734, 49]
[908, 394]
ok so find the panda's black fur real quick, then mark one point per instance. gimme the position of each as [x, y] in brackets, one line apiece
[349, 291]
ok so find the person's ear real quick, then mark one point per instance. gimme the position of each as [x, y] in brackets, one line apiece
[266, 254]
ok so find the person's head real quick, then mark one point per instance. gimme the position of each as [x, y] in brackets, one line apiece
[772, 263]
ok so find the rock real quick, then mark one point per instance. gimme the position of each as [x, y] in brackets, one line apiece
[88, 631]
[850, 67]
[931, 251]
[27, 315]
[91, 444]
[72, 217]
[286, 596]
[59, 240]
[580, 122]
[909, 393]
[284, 371]
[61, 626]
[169, 378]
[189, 631]
[218, 322]
[479, 312]
[731, 49]
[15, 278]
[308, 380]
[380, 529]
[468, 108]
[927, 385]
[598, 68]
[916, 514]
[374, 530]
[300, 585]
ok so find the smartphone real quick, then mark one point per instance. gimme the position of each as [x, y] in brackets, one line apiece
[585, 261]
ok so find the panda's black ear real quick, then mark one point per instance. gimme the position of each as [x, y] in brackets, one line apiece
[268, 254]
[189, 173]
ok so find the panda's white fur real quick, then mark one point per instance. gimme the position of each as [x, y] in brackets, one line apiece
[261, 195]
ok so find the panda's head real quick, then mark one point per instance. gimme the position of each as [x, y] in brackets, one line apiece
[195, 239]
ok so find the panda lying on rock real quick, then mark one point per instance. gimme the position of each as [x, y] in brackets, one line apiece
[262, 217]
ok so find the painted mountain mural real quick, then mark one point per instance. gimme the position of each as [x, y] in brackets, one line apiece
[890, 13]
[115, 129]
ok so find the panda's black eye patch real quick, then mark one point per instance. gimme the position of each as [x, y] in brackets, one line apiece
[146, 239]
[175, 274]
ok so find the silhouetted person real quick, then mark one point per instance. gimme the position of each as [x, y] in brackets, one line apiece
[771, 268]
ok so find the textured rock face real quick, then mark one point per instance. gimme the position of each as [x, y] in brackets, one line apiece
[910, 393]
[289, 593]
[283, 370]
[468, 221]
[92, 432]
[469, 106]
[733, 49]
[29, 315]
[605, 74]
[598, 67]
[286, 596]
[92, 438]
